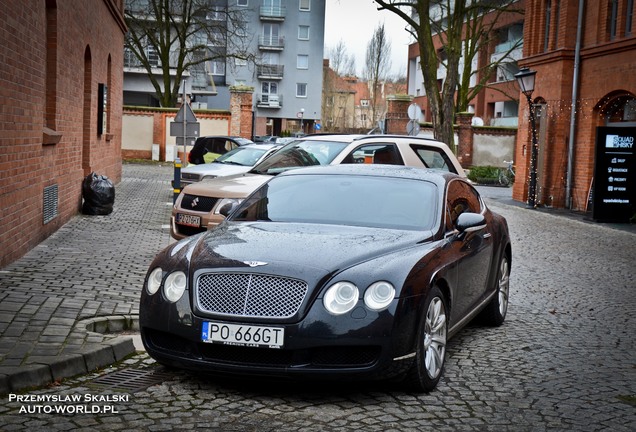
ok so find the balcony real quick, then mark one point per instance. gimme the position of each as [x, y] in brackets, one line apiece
[271, 43]
[270, 72]
[272, 13]
[269, 101]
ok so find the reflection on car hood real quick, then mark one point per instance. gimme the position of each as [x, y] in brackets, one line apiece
[235, 186]
[290, 246]
[216, 169]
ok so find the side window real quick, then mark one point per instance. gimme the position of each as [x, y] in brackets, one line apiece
[460, 198]
[433, 157]
[377, 153]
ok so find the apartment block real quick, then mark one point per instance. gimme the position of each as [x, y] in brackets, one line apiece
[286, 38]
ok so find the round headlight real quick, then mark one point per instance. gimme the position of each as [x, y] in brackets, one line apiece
[341, 297]
[154, 281]
[379, 295]
[175, 286]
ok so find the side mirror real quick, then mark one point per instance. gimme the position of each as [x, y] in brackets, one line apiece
[469, 222]
[227, 208]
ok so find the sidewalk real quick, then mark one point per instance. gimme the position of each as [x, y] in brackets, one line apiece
[65, 304]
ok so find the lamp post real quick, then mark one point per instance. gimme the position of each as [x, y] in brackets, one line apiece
[525, 77]
[302, 118]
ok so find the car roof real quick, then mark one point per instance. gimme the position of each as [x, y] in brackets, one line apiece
[376, 170]
[359, 137]
[264, 146]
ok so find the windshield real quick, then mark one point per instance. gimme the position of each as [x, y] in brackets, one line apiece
[380, 202]
[300, 153]
[246, 156]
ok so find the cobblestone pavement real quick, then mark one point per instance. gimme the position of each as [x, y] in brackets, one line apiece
[563, 360]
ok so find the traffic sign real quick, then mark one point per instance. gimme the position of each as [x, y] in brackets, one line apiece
[412, 128]
[191, 129]
[414, 111]
[188, 140]
[185, 112]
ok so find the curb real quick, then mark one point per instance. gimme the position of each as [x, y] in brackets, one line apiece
[47, 370]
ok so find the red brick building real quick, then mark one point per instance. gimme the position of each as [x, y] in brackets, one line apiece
[605, 94]
[60, 111]
[497, 103]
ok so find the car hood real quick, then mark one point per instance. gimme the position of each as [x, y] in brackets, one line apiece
[216, 169]
[234, 186]
[306, 251]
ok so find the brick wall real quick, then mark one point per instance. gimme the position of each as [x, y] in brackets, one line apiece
[53, 55]
[606, 74]
[241, 111]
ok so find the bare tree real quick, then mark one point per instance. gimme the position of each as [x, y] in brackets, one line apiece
[378, 63]
[446, 31]
[169, 38]
[341, 61]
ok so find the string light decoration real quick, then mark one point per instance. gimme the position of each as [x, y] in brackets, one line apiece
[615, 108]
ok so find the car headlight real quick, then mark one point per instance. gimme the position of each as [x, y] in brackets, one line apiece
[379, 295]
[222, 202]
[341, 297]
[154, 281]
[174, 286]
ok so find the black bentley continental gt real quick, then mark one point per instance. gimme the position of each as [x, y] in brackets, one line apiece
[349, 271]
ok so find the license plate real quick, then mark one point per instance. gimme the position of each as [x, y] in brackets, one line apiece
[189, 220]
[243, 335]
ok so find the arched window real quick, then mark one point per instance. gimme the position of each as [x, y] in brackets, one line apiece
[621, 111]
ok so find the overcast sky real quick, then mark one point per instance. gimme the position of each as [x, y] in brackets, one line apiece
[354, 21]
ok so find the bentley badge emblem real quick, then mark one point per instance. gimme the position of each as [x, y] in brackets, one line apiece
[255, 263]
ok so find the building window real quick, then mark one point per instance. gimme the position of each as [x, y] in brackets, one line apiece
[546, 32]
[242, 2]
[621, 110]
[302, 61]
[240, 62]
[629, 17]
[557, 13]
[364, 103]
[304, 5]
[217, 67]
[613, 19]
[303, 32]
[301, 90]
[216, 14]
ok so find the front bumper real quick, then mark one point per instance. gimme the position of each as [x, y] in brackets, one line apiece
[362, 344]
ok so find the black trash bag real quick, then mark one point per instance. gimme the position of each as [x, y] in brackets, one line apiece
[99, 195]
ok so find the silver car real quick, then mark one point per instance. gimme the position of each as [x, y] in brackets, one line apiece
[236, 161]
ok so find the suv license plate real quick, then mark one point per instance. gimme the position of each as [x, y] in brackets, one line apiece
[243, 335]
[189, 220]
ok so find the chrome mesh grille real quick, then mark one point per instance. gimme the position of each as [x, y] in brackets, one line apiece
[249, 295]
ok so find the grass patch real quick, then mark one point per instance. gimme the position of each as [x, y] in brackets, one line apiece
[630, 399]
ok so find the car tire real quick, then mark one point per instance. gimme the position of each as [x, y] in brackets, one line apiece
[495, 312]
[432, 336]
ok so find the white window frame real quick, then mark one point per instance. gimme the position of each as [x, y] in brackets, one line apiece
[304, 5]
[217, 67]
[299, 87]
[302, 61]
[301, 34]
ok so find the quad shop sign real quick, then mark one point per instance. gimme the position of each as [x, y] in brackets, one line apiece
[614, 197]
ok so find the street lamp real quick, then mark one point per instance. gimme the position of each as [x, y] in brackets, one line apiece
[525, 78]
[302, 118]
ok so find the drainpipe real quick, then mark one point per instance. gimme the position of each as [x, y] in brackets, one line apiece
[575, 94]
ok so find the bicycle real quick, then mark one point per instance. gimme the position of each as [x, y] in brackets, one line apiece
[507, 176]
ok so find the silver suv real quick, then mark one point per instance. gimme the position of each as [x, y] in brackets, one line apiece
[202, 205]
